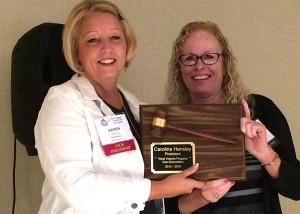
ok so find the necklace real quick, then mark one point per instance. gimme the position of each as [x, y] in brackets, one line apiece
[129, 118]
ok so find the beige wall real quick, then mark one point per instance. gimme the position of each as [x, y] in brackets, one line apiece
[264, 36]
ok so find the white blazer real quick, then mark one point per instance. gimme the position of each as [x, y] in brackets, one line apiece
[79, 177]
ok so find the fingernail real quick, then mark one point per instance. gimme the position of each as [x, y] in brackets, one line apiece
[196, 165]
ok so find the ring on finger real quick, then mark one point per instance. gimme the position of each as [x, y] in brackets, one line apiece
[216, 196]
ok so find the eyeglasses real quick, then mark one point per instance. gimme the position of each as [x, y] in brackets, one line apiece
[207, 59]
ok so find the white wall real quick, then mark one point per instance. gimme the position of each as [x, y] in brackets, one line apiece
[264, 36]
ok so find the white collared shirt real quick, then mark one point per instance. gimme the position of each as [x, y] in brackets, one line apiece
[79, 177]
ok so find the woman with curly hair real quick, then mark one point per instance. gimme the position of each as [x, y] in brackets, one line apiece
[202, 70]
[232, 86]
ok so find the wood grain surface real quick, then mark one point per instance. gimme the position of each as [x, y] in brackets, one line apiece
[216, 159]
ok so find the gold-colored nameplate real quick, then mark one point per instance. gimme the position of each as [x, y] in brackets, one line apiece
[171, 157]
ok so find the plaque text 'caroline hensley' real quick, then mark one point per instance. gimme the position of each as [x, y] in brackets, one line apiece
[172, 157]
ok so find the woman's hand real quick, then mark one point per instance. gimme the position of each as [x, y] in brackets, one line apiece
[256, 143]
[255, 134]
[175, 184]
[211, 192]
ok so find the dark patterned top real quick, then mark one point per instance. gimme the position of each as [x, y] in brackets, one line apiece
[261, 191]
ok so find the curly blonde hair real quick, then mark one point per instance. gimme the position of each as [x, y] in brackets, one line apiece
[73, 25]
[232, 86]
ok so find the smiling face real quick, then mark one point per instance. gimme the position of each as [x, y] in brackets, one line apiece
[204, 82]
[101, 48]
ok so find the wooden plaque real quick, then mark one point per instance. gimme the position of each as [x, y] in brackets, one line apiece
[168, 151]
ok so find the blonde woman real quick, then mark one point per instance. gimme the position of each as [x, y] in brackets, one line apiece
[202, 70]
[87, 132]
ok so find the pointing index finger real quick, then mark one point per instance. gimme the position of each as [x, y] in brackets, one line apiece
[246, 109]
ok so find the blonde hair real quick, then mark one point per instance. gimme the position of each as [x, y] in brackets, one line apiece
[232, 86]
[73, 24]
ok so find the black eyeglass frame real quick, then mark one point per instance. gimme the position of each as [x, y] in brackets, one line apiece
[199, 57]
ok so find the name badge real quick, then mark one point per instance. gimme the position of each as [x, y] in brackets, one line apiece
[115, 134]
[271, 139]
